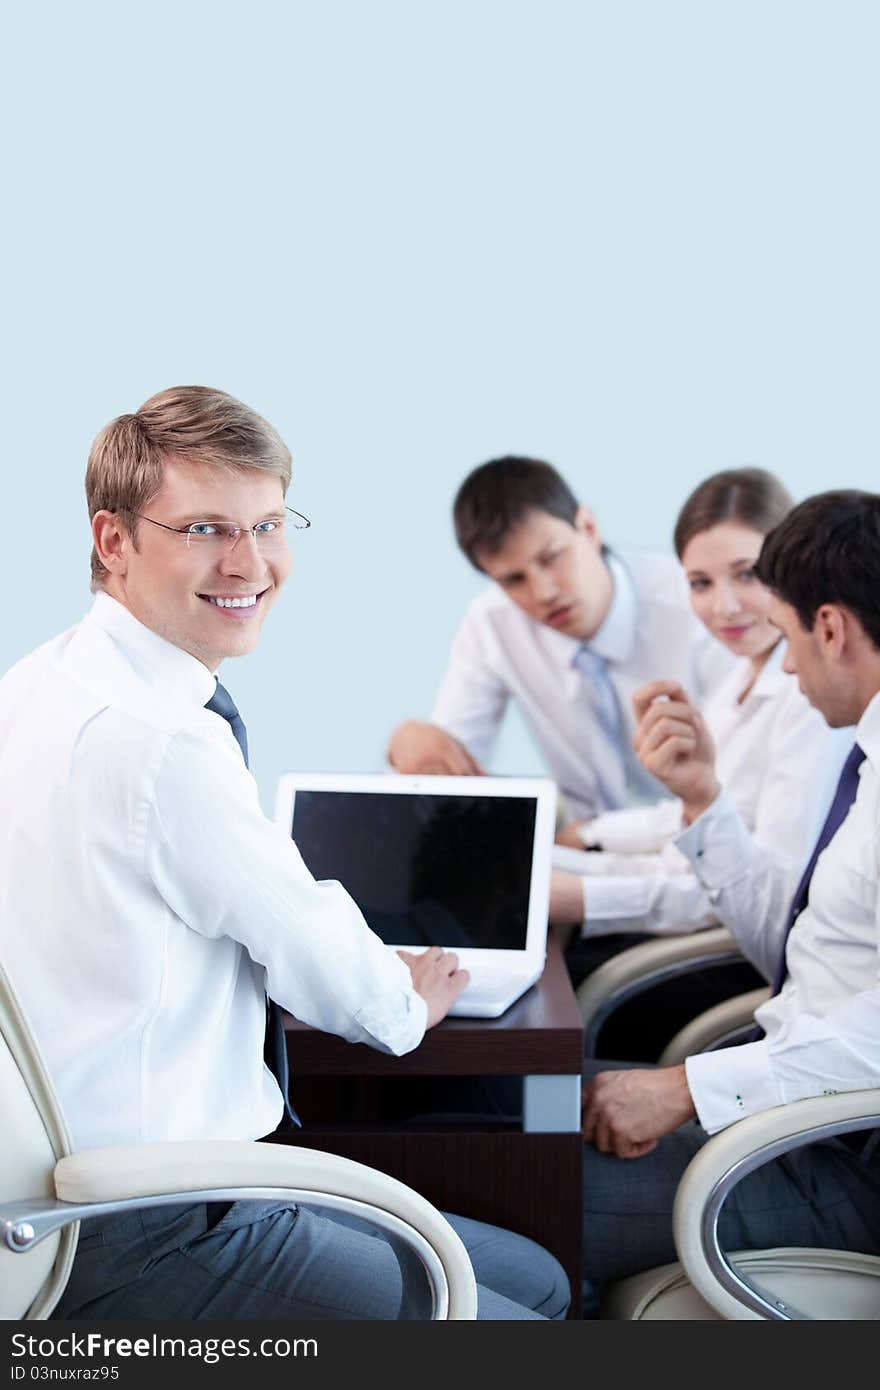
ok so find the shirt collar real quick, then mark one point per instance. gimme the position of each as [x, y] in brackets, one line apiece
[615, 637]
[771, 677]
[160, 663]
[868, 732]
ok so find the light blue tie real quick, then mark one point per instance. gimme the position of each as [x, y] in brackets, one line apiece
[609, 770]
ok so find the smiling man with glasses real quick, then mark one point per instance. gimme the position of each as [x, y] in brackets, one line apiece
[154, 920]
[208, 583]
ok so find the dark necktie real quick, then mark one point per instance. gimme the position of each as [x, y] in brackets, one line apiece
[275, 1048]
[843, 799]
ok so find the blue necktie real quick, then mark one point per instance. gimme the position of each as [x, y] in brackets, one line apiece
[609, 770]
[843, 799]
[275, 1048]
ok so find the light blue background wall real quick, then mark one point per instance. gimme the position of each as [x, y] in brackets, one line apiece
[639, 239]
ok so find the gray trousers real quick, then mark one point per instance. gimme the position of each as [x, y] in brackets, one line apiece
[825, 1196]
[271, 1260]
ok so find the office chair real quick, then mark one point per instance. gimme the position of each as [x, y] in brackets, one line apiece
[725, 1024]
[785, 1284]
[45, 1190]
[640, 968]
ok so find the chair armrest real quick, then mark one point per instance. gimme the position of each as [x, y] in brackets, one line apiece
[95, 1181]
[641, 967]
[724, 1161]
[144, 1170]
[715, 1027]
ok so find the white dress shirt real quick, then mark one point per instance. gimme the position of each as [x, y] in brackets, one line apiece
[500, 653]
[148, 904]
[823, 1028]
[778, 762]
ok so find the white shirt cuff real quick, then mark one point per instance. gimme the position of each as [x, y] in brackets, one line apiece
[636, 830]
[718, 845]
[731, 1083]
[614, 899]
[586, 833]
[397, 1032]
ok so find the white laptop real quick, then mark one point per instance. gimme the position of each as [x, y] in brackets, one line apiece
[457, 862]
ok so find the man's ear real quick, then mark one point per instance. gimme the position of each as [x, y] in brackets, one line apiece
[111, 541]
[832, 627]
[585, 522]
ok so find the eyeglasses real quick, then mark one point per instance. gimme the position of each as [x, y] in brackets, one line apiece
[223, 535]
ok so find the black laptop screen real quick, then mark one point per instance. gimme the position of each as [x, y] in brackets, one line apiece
[425, 870]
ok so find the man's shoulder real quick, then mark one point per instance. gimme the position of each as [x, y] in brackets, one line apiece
[80, 674]
[92, 664]
[492, 616]
[488, 602]
[658, 580]
[32, 660]
[31, 668]
[492, 609]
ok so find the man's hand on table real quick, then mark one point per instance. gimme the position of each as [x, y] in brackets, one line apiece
[419, 747]
[570, 835]
[626, 1112]
[437, 978]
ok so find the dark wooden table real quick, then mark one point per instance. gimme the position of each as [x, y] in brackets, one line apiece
[526, 1177]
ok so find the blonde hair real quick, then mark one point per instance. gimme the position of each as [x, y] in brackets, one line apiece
[191, 423]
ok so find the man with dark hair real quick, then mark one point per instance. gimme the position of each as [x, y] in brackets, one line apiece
[820, 1029]
[569, 630]
[496, 497]
[827, 555]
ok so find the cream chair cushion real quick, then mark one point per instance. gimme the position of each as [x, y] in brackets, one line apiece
[823, 1284]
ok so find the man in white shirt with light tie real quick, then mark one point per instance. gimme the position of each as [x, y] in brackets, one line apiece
[569, 630]
[149, 907]
[822, 1024]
